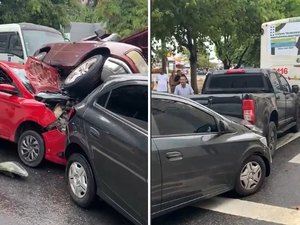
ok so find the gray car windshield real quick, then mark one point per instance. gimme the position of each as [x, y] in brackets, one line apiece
[21, 74]
[34, 39]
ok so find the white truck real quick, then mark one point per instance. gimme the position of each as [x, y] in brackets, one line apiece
[18, 41]
[280, 47]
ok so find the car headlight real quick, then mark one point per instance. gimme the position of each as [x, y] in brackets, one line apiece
[264, 141]
[252, 127]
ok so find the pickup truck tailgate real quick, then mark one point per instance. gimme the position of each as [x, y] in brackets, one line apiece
[226, 104]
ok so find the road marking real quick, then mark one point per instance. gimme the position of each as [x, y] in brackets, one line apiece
[296, 159]
[287, 139]
[252, 210]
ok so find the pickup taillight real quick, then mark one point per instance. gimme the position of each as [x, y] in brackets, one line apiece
[249, 110]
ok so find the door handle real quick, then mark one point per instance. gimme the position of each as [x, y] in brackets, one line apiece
[93, 132]
[174, 156]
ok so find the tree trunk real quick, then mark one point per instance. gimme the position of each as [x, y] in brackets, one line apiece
[241, 58]
[164, 57]
[193, 64]
[226, 64]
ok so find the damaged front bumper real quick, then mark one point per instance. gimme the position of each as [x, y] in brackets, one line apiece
[55, 146]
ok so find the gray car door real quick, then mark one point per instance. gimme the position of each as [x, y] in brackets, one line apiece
[279, 98]
[117, 136]
[156, 180]
[291, 104]
[196, 161]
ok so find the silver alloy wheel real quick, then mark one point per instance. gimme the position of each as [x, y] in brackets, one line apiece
[251, 175]
[78, 179]
[30, 148]
[81, 70]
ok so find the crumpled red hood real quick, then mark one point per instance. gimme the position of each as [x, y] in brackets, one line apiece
[44, 78]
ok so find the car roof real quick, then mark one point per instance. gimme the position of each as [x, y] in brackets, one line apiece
[32, 26]
[169, 96]
[246, 70]
[26, 26]
[186, 100]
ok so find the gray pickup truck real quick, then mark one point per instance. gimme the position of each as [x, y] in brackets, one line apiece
[262, 97]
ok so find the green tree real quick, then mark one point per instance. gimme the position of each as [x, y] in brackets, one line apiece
[187, 22]
[123, 17]
[45, 12]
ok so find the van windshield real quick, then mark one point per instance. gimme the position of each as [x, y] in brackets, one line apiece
[35, 39]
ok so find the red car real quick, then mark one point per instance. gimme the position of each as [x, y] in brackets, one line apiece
[33, 113]
[36, 98]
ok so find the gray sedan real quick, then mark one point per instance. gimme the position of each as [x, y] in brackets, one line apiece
[198, 154]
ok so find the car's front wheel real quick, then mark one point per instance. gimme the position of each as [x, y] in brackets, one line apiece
[80, 178]
[251, 176]
[31, 148]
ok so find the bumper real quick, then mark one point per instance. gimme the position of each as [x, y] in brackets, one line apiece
[55, 146]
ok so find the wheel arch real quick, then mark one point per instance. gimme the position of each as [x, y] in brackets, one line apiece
[27, 125]
[75, 148]
[98, 51]
[266, 161]
[274, 117]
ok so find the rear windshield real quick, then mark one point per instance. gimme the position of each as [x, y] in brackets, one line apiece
[231, 83]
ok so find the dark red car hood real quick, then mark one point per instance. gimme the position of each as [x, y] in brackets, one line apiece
[44, 78]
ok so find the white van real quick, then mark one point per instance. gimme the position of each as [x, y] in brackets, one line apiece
[18, 41]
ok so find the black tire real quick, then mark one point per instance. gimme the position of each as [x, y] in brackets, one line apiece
[86, 82]
[296, 128]
[272, 137]
[37, 148]
[239, 188]
[90, 195]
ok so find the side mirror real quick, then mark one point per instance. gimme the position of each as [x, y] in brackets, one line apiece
[8, 88]
[295, 88]
[224, 127]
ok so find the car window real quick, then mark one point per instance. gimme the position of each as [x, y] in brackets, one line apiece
[285, 87]
[275, 82]
[4, 78]
[130, 102]
[102, 99]
[15, 45]
[236, 81]
[21, 74]
[113, 67]
[178, 118]
[34, 39]
[3, 42]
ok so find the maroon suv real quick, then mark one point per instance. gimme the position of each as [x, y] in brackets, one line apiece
[84, 65]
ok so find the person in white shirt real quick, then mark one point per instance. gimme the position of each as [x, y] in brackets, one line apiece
[183, 88]
[162, 81]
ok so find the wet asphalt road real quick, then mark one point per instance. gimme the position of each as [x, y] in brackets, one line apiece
[282, 189]
[43, 199]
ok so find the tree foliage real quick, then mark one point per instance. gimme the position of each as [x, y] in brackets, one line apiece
[187, 22]
[123, 17]
[234, 26]
[44, 12]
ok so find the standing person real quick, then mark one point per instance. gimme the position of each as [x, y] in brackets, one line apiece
[162, 81]
[183, 89]
[174, 81]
